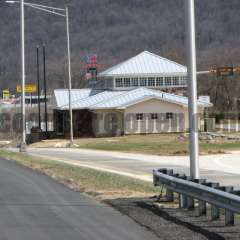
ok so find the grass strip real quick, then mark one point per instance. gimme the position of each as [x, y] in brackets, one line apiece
[91, 181]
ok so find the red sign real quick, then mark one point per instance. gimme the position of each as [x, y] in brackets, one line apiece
[92, 61]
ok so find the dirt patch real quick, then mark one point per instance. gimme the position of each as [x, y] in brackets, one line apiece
[168, 222]
[56, 143]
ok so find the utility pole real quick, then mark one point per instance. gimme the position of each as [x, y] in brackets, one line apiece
[38, 90]
[45, 88]
[192, 90]
[23, 141]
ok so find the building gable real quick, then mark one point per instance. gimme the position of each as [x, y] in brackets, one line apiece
[145, 64]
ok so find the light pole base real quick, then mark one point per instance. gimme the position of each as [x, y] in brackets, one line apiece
[23, 148]
[71, 144]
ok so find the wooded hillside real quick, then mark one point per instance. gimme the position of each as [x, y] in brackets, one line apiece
[118, 29]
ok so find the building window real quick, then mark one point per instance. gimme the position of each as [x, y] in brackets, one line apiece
[151, 82]
[139, 116]
[183, 81]
[119, 82]
[175, 81]
[143, 82]
[168, 81]
[159, 81]
[134, 82]
[127, 82]
[154, 116]
[169, 115]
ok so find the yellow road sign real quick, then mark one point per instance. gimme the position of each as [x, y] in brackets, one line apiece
[223, 71]
[6, 94]
[29, 88]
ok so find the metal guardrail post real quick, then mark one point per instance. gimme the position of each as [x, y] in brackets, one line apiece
[229, 218]
[229, 215]
[202, 206]
[190, 201]
[169, 195]
[182, 201]
[215, 211]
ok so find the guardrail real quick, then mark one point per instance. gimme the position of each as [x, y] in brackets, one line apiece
[190, 190]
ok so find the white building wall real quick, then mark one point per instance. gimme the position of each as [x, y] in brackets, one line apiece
[179, 123]
[126, 123]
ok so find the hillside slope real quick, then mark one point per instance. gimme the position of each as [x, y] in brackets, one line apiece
[115, 30]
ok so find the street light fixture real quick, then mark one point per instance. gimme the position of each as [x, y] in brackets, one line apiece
[55, 11]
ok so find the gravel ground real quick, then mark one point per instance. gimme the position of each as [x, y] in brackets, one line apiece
[170, 223]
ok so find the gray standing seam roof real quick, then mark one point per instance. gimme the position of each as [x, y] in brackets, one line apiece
[145, 63]
[62, 96]
[82, 99]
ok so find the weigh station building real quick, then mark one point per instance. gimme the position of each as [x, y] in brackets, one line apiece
[132, 97]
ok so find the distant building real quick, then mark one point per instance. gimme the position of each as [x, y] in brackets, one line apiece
[127, 100]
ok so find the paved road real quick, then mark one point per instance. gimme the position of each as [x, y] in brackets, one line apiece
[224, 168]
[32, 206]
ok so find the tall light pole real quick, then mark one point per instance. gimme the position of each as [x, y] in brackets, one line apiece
[23, 141]
[55, 11]
[69, 78]
[192, 90]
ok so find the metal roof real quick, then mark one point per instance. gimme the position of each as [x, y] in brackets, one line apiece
[145, 63]
[87, 99]
[143, 94]
[62, 95]
[91, 100]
